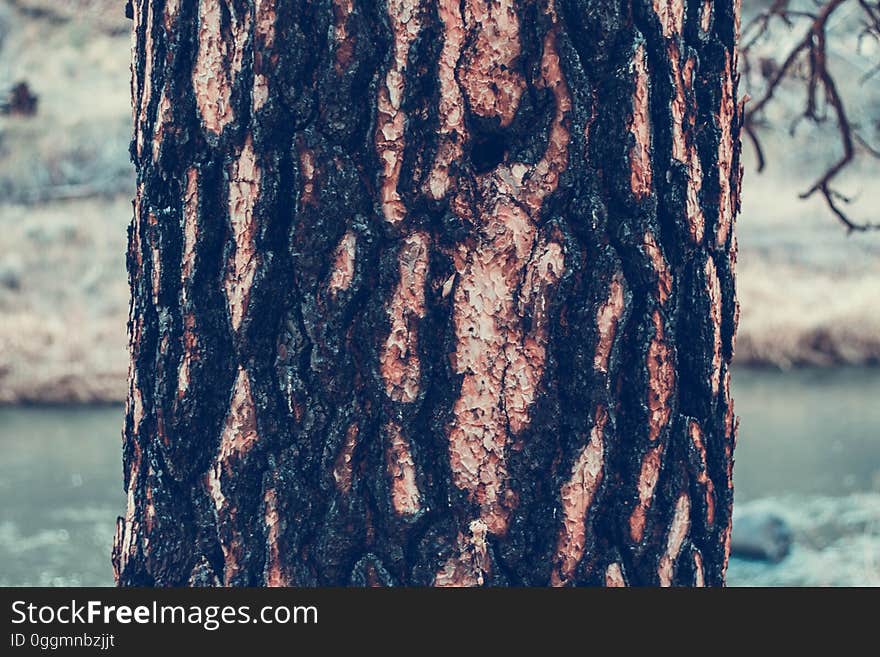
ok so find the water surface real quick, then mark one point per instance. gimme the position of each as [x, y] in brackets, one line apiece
[60, 493]
[807, 432]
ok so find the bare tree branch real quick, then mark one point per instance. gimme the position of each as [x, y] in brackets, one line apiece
[812, 50]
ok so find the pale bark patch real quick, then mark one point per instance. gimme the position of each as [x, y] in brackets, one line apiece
[696, 219]
[607, 319]
[344, 52]
[399, 362]
[244, 192]
[136, 397]
[274, 570]
[614, 576]
[647, 483]
[238, 437]
[239, 433]
[686, 154]
[671, 15]
[391, 120]
[544, 178]
[733, 252]
[447, 286]
[470, 565]
[724, 119]
[344, 465]
[729, 419]
[172, 7]
[134, 403]
[164, 121]
[506, 276]
[661, 380]
[187, 268]
[164, 111]
[190, 342]
[576, 496]
[703, 479]
[453, 132]
[264, 34]
[674, 540]
[640, 128]
[402, 472]
[135, 245]
[343, 264]
[501, 364]
[126, 530]
[725, 543]
[190, 228]
[731, 425]
[155, 257]
[706, 16]
[218, 62]
[132, 69]
[683, 149]
[737, 18]
[307, 170]
[525, 360]
[660, 266]
[489, 72]
[699, 578]
[146, 91]
[150, 505]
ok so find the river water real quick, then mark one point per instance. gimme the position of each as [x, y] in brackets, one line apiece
[802, 433]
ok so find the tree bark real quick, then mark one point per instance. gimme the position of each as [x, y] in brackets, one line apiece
[431, 293]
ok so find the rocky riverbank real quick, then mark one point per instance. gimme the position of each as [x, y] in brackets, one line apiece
[835, 542]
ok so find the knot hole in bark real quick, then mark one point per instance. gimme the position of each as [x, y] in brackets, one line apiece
[487, 152]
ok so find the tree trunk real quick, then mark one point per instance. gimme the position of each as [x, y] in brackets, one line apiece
[431, 292]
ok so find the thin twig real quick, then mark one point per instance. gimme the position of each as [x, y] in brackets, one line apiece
[812, 46]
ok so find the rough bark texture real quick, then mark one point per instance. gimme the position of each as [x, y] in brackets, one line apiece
[431, 292]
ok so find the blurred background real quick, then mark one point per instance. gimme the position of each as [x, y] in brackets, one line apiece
[806, 382]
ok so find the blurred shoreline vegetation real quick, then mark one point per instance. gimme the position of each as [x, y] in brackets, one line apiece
[807, 291]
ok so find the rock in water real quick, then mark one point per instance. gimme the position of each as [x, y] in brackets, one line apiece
[760, 534]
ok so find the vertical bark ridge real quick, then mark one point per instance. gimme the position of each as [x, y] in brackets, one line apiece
[430, 292]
